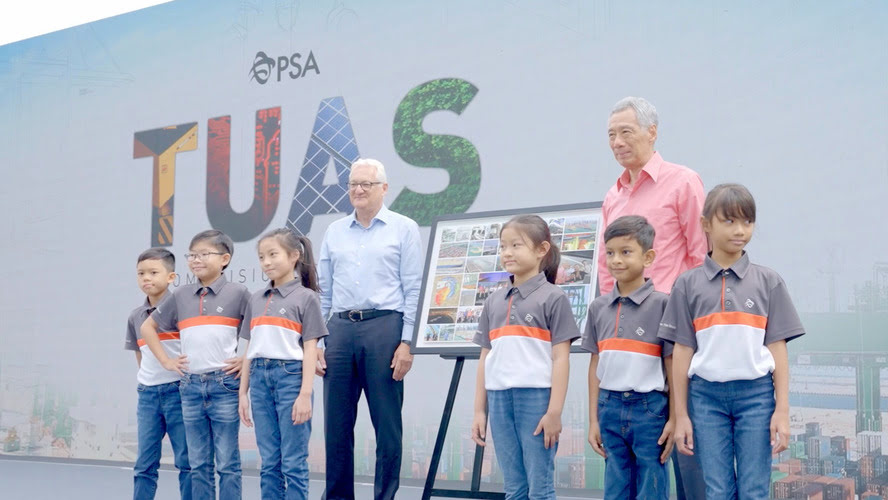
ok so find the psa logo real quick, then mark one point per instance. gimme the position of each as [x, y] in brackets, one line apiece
[264, 66]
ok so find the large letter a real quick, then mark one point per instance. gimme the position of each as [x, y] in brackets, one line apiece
[331, 137]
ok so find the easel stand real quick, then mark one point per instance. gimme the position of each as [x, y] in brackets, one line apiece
[430, 491]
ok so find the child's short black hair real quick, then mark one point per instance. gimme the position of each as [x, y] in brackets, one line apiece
[161, 254]
[634, 226]
[219, 240]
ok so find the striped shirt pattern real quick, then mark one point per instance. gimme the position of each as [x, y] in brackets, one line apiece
[279, 320]
[151, 372]
[207, 319]
[623, 332]
[729, 316]
[520, 325]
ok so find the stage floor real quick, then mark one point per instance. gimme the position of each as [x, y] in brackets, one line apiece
[35, 480]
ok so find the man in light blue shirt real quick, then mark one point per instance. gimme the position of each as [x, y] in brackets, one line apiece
[370, 269]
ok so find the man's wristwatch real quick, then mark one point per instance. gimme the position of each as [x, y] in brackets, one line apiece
[408, 342]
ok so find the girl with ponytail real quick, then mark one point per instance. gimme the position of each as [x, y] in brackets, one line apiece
[282, 326]
[525, 333]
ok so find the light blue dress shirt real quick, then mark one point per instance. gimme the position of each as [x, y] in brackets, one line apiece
[376, 267]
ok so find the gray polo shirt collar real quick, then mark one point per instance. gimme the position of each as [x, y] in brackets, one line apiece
[215, 286]
[528, 287]
[739, 268]
[285, 290]
[147, 305]
[637, 296]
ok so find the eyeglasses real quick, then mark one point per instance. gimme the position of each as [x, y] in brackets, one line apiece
[200, 256]
[364, 185]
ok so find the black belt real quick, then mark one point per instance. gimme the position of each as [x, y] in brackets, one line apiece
[356, 315]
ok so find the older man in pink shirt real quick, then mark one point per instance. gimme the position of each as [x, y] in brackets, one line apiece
[671, 198]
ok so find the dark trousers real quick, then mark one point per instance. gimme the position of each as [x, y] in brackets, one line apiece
[359, 356]
[689, 483]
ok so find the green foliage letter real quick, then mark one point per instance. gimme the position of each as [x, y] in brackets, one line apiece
[455, 154]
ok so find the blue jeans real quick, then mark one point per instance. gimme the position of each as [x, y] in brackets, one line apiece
[528, 467]
[631, 423]
[274, 386]
[209, 407]
[159, 412]
[732, 422]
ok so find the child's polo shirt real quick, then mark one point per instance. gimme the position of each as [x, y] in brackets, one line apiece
[151, 372]
[623, 332]
[207, 319]
[729, 316]
[279, 320]
[520, 325]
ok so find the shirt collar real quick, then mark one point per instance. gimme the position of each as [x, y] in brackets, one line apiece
[147, 305]
[637, 296]
[528, 287]
[739, 268]
[384, 215]
[652, 168]
[285, 290]
[215, 286]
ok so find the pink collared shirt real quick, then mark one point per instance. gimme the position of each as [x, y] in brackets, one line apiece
[671, 198]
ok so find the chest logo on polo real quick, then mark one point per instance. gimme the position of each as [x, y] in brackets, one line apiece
[749, 303]
[219, 309]
[528, 318]
[639, 331]
[282, 311]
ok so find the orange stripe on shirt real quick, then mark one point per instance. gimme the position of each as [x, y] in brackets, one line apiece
[629, 345]
[731, 318]
[161, 336]
[275, 321]
[521, 331]
[208, 320]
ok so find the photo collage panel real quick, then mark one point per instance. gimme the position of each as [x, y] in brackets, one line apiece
[466, 269]
[466, 264]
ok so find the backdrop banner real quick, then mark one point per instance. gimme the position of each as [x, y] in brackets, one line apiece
[143, 129]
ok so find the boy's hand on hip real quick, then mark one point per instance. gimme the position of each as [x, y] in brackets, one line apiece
[667, 440]
[550, 426]
[178, 365]
[233, 366]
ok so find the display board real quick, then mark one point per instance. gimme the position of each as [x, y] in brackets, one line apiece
[463, 268]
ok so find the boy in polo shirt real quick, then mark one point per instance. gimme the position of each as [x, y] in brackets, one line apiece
[630, 421]
[160, 407]
[207, 315]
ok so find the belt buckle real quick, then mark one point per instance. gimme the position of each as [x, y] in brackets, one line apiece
[356, 312]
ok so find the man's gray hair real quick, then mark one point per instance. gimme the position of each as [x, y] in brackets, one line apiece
[369, 162]
[645, 112]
